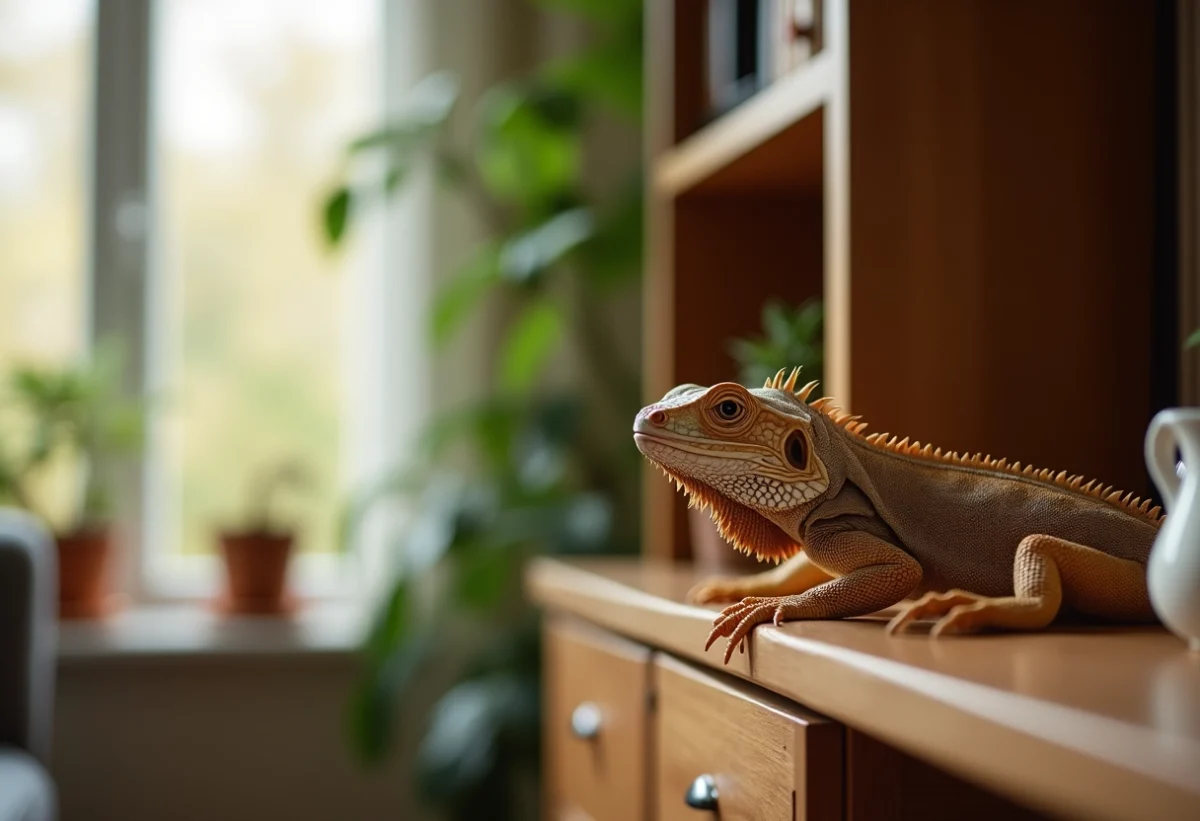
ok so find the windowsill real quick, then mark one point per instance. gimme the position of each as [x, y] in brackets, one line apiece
[194, 630]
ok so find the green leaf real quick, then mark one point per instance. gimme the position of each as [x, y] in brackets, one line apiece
[394, 136]
[613, 256]
[391, 624]
[610, 73]
[809, 321]
[431, 100]
[397, 171]
[426, 106]
[530, 342]
[336, 213]
[776, 322]
[528, 151]
[458, 297]
[372, 709]
[1193, 340]
[467, 729]
[527, 255]
[604, 11]
[401, 481]
[483, 576]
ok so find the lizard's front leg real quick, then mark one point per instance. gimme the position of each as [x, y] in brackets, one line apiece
[871, 574]
[795, 575]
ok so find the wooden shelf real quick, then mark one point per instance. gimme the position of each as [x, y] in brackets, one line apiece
[1088, 723]
[939, 196]
[773, 140]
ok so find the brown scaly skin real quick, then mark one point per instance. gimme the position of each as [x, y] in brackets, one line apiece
[861, 523]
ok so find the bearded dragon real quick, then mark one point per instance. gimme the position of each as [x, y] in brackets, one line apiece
[858, 523]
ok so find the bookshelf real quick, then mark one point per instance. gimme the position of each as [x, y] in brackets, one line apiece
[970, 186]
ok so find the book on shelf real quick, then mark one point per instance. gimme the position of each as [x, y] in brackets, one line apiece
[752, 43]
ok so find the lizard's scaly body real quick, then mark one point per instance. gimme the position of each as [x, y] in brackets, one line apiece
[866, 521]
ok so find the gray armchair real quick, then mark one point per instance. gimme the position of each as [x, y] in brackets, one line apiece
[28, 591]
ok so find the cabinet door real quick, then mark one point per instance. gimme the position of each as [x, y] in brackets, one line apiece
[596, 723]
[765, 758]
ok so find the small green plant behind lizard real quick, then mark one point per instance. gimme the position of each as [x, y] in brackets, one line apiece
[862, 522]
[792, 337]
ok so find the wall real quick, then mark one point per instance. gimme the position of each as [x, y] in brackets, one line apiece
[206, 737]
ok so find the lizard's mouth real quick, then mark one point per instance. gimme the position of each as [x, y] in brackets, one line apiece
[746, 529]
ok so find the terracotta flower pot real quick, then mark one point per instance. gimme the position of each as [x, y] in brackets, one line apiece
[84, 557]
[711, 553]
[256, 566]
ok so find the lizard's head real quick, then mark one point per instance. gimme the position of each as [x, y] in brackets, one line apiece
[749, 455]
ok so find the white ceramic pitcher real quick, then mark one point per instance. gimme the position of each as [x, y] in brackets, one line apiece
[1174, 572]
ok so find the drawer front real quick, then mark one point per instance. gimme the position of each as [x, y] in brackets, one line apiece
[597, 691]
[769, 759]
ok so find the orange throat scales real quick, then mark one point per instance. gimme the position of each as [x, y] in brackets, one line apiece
[747, 530]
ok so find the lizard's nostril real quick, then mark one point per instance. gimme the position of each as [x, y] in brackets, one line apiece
[658, 417]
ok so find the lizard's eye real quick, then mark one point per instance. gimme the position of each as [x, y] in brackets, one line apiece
[796, 450]
[729, 410]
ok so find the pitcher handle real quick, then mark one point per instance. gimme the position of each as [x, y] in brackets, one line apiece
[1160, 456]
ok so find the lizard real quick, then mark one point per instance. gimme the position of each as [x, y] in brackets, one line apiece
[859, 523]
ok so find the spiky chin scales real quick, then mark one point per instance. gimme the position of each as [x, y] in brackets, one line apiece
[748, 531]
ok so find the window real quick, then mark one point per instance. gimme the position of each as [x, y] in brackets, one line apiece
[45, 80]
[253, 102]
[161, 167]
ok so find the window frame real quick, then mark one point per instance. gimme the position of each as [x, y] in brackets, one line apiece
[123, 293]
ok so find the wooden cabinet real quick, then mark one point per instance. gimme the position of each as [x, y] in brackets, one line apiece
[597, 689]
[1090, 724]
[766, 758]
[630, 731]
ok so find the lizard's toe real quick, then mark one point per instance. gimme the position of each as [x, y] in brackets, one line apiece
[736, 622]
[757, 615]
[728, 619]
[965, 618]
[928, 606]
[714, 590]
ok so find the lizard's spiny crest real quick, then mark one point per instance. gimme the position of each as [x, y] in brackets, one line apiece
[789, 384]
[1127, 502]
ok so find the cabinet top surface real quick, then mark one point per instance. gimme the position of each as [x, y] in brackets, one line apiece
[1112, 714]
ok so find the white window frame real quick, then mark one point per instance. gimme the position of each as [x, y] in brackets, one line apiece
[387, 371]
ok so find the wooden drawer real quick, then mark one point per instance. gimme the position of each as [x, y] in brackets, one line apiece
[602, 777]
[770, 759]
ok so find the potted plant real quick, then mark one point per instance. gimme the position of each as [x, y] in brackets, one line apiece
[257, 552]
[791, 337]
[72, 417]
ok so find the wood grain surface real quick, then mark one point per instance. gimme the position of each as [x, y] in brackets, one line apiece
[603, 778]
[757, 748]
[1099, 723]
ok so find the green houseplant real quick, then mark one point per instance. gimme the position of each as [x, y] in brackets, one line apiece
[257, 551]
[526, 468]
[75, 414]
[791, 337]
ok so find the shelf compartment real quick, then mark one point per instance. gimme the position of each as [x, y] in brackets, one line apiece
[773, 140]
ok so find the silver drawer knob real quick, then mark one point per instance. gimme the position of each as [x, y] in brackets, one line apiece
[702, 795]
[585, 721]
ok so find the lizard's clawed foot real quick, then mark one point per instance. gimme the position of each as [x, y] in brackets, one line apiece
[953, 605]
[736, 621]
[717, 590]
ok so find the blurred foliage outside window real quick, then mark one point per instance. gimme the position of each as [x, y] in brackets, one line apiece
[534, 465]
[252, 98]
[45, 82]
